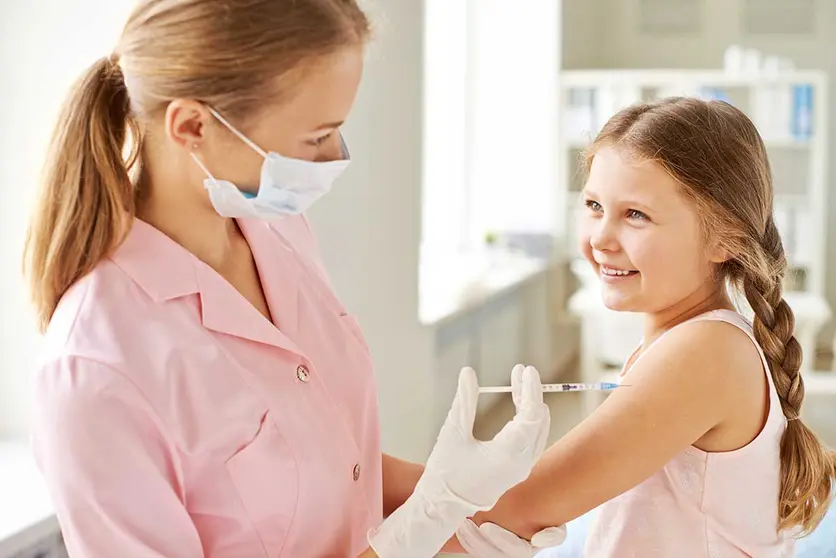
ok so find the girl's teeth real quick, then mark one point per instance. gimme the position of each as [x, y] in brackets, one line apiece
[618, 272]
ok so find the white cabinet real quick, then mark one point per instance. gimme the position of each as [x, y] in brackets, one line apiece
[516, 326]
[28, 528]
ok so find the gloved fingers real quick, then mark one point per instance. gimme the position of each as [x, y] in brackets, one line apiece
[492, 541]
[531, 395]
[543, 436]
[475, 542]
[463, 410]
[521, 437]
[528, 431]
[516, 384]
[508, 543]
[549, 537]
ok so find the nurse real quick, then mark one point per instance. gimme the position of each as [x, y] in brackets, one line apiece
[202, 391]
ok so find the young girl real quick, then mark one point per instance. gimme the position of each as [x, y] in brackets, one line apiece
[704, 454]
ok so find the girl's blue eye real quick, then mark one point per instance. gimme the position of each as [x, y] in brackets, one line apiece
[636, 214]
[593, 205]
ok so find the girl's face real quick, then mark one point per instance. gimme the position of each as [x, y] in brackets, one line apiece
[642, 236]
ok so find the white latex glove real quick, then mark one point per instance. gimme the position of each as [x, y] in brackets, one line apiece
[464, 475]
[492, 541]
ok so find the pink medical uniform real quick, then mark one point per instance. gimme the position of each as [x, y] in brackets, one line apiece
[174, 421]
[701, 504]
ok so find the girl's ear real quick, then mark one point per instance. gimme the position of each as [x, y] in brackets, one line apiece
[717, 253]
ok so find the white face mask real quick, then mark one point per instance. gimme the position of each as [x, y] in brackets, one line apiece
[287, 187]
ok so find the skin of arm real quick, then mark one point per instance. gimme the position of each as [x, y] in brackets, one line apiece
[399, 480]
[676, 395]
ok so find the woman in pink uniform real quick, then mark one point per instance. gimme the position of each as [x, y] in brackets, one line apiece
[202, 391]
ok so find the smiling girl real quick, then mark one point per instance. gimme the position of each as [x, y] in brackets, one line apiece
[705, 454]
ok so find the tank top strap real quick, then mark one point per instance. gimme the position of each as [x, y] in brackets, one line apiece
[728, 316]
[741, 323]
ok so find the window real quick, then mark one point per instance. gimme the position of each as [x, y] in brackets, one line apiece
[491, 98]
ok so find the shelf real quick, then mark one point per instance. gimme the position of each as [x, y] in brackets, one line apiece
[685, 78]
[808, 306]
[820, 382]
[776, 143]
[26, 513]
[578, 143]
[787, 143]
[446, 294]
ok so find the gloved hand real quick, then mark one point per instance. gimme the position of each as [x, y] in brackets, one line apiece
[492, 541]
[464, 475]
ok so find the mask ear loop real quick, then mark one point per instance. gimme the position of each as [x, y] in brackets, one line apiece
[241, 136]
[345, 154]
[203, 167]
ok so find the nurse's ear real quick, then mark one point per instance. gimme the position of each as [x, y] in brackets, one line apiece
[186, 123]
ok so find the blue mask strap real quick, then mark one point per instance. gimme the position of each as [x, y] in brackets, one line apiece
[344, 148]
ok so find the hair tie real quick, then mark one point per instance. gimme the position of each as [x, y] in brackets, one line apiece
[114, 70]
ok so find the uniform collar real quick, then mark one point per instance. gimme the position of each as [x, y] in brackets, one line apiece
[161, 267]
[166, 271]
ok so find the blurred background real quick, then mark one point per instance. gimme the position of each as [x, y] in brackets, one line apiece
[451, 234]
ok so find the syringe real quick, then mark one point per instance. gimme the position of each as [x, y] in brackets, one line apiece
[597, 386]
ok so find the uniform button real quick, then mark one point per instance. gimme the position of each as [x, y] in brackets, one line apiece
[356, 472]
[303, 374]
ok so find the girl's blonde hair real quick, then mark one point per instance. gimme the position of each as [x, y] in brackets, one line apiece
[226, 54]
[716, 154]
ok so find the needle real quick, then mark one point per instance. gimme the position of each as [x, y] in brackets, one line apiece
[597, 386]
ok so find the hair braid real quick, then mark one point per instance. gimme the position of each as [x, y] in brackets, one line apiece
[807, 468]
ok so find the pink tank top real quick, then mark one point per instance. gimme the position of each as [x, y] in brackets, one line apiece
[703, 505]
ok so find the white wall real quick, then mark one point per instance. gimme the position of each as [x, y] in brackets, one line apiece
[369, 226]
[512, 133]
[593, 41]
[372, 219]
[37, 69]
[584, 33]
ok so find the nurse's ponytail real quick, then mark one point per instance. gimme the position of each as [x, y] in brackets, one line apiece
[227, 55]
[86, 199]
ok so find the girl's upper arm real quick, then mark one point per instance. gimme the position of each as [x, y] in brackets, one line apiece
[674, 394]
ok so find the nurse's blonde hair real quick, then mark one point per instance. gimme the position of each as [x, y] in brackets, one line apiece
[227, 54]
[716, 154]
